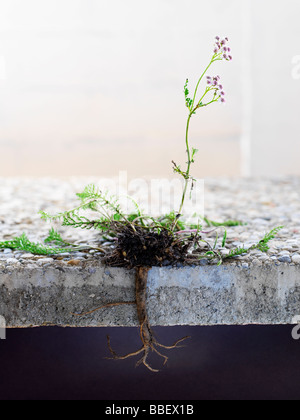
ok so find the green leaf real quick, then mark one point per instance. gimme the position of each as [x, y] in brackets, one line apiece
[54, 236]
[228, 223]
[224, 239]
[22, 243]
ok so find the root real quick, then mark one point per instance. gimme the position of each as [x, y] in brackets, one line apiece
[149, 342]
[121, 357]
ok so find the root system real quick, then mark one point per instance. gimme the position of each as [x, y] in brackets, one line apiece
[139, 248]
[149, 343]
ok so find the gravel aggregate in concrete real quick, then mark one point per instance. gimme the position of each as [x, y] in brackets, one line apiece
[260, 203]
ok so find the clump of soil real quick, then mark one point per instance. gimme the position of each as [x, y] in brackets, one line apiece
[139, 247]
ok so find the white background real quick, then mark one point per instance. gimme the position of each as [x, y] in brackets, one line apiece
[91, 87]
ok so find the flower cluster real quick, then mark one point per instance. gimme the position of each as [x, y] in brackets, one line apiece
[221, 49]
[214, 82]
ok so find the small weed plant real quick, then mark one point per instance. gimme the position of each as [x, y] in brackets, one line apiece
[142, 241]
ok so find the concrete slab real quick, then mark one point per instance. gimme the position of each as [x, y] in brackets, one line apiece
[209, 295]
[256, 288]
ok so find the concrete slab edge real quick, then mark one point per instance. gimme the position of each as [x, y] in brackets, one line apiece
[208, 295]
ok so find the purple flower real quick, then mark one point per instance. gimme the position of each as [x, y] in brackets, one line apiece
[218, 92]
[222, 49]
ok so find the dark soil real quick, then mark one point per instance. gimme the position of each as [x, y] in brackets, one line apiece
[143, 248]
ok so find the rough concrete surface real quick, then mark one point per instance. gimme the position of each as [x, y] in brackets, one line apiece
[208, 295]
[256, 287]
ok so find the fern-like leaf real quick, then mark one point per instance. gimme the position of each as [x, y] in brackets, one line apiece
[22, 243]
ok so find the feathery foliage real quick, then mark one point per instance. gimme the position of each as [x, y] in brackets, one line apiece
[262, 245]
[22, 243]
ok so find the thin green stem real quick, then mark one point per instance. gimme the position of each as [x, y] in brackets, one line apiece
[187, 177]
[202, 97]
[188, 150]
[192, 108]
[214, 100]
[199, 81]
